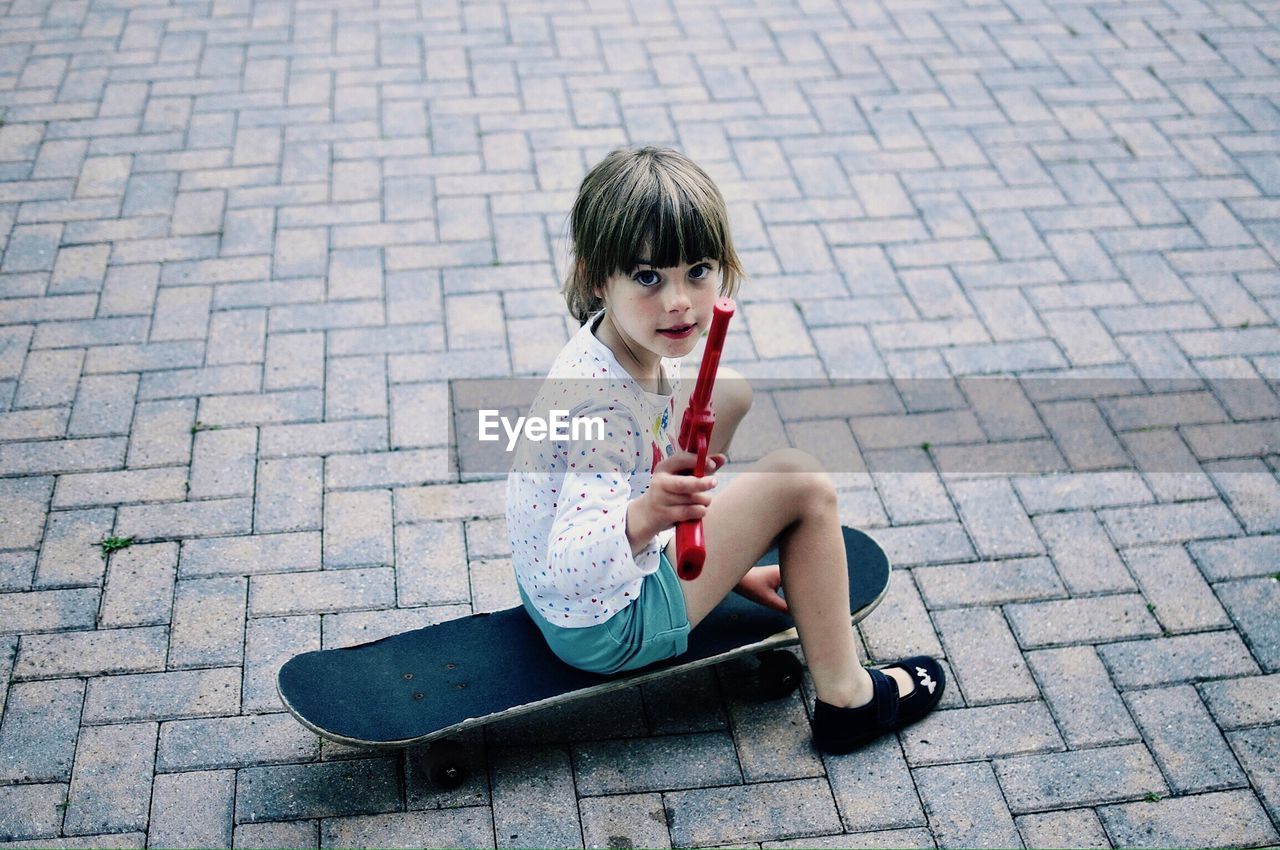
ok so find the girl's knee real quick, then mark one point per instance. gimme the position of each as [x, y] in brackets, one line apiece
[807, 484]
[733, 394]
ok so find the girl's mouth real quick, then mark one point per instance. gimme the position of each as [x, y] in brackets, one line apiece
[677, 331]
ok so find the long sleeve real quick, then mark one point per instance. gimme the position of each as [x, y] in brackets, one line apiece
[588, 552]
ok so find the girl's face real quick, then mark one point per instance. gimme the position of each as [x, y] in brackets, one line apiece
[661, 312]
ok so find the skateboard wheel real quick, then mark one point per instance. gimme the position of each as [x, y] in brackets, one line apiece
[448, 766]
[447, 775]
[780, 673]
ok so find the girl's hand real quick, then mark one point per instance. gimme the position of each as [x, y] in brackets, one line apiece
[673, 496]
[761, 584]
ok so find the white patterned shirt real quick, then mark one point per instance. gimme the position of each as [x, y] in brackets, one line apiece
[567, 500]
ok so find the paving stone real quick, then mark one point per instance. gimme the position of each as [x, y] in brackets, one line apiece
[933, 543]
[111, 784]
[265, 409]
[208, 623]
[139, 587]
[288, 835]
[355, 387]
[1079, 777]
[32, 424]
[26, 502]
[911, 497]
[1238, 558]
[185, 519]
[965, 807]
[984, 656]
[636, 820]
[288, 495]
[983, 732]
[269, 643]
[261, 553]
[165, 484]
[1087, 620]
[159, 696]
[1251, 701]
[322, 438]
[181, 313]
[222, 463]
[358, 528]
[294, 360]
[45, 457]
[995, 519]
[1239, 439]
[123, 840]
[1253, 604]
[533, 797]
[1084, 556]
[1190, 751]
[457, 827]
[1252, 492]
[163, 382]
[233, 742]
[873, 788]
[1225, 819]
[1256, 749]
[1087, 708]
[1182, 600]
[1166, 661]
[906, 839]
[1074, 828]
[48, 611]
[989, 582]
[70, 553]
[329, 789]
[775, 737]
[38, 737]
[1088, 490]
[161, 434]
[329, 590]
[192, 809]
[32, 811]
[92, 653]
[648, 764]
[431, 564]
[748, 813]
[104, 405]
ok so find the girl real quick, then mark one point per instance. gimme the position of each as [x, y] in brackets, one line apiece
[591, 520]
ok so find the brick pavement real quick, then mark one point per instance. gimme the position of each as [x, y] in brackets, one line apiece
[246, 244]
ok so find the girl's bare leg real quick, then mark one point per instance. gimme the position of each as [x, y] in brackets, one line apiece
[786, 496]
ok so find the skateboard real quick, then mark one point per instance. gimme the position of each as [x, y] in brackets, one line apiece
[424, 685]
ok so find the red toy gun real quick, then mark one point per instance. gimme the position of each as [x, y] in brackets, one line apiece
[695, 436]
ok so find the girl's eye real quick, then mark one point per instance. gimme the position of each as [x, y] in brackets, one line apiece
[647, 277]
[700, 272]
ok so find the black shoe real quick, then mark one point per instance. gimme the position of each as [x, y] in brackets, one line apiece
[842, 730]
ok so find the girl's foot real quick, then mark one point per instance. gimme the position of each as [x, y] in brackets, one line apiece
[892, 706]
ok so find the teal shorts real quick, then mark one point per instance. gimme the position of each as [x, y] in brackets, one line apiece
[652, 628]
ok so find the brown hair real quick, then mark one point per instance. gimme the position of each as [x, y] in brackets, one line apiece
[652, 203]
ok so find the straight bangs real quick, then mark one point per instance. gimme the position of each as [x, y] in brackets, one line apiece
[669, 226]
[650, 206]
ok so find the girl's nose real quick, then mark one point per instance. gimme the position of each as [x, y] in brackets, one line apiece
[678, 299]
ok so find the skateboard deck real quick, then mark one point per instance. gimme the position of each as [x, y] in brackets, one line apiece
[430, 683]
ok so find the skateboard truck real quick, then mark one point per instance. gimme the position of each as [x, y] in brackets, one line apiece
[695, 436]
